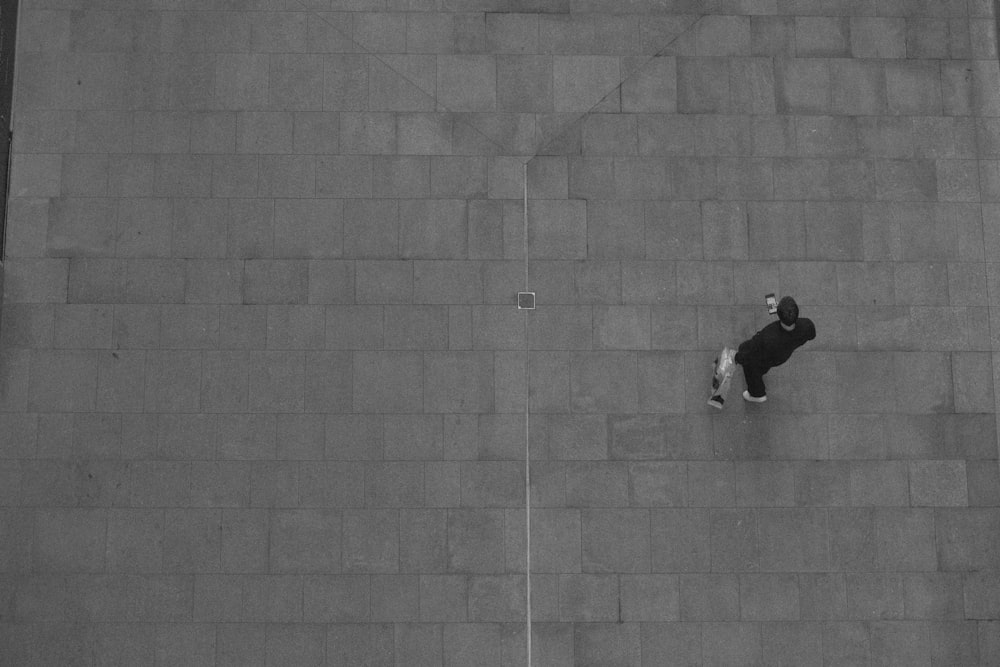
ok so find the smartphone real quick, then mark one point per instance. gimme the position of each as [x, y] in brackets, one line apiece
[772, 303]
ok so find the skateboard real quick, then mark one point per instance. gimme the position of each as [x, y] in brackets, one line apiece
[725, 366]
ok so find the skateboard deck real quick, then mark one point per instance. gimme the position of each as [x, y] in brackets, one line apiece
[725, 366]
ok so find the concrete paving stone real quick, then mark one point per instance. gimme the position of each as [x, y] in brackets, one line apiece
[187, 436]
[250, 233]
[213, 281]
[362, 135]
[615, 540]
[134, 541]
[220, 484]
[588, 598]
[735, 545]
[887, 137]
[475, 543]
[416, 327]
[965, 539]
[822, 483]
[287, 176]
[934, 596]
[596, 484]
[264, 132]
[822, 37]
[938, 483]
[878, 37]
[277, 381]
[472, 643]
[497, 328]
[905, 539]
[394, 484]
[592, 177]
[189, 326]
[721, 134]
[704, 283]
[703, 85]
[652, 86]
[62, 381]
[879, 483]
[793, 540]
[303, 644]
[607, 643]
[311, 228]
[769, 597]
[679, 643]
[240, 327]
[617, 35]
[84, 176]
[603, 382]
[199, 228]
[278, 32]
[752, 85]
[904, 81]
[485, 229]
[610, 134]
[672, 230]
[885, 328]
[846, 642]
[865, 283]
[241, 80]
[224, 381]
[372, 643]
[275, 282]
[621, 327]
[936, 394]
[433, 229]
[160, 484]
[943, 138]
[81, 326]
[560, 328]
[668, 134]
[745, 178]
[709, 597]
[659, 387]
[191, 541]
[458, 381]
[496, 598]
[458, 176]
[491, 484]
[563, 437]
[597, 282]
[822, 596]
[773, 136]
[566, 33]
[983, 483]
[954, 641]
[423, 541]
[443, 598]
[876, 596]
[307, 541]
[385, 381]
[802, 86]
[69, 540]
[448, 282]
[371, 545]
[711, 484]
[337, 598]
[582, 82]
[900, 641]
[765, 483]
[81, 227]
[512, 32]
[957, 180]
[724, 224]
[328, 382]
[295, 82]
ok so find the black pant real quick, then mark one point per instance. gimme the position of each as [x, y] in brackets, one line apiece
[754, 376]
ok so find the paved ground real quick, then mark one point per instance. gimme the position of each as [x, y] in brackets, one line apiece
[263, 383]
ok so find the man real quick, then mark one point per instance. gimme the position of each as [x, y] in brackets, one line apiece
[772, 346]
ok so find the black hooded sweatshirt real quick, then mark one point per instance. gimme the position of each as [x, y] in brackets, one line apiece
[772, 345]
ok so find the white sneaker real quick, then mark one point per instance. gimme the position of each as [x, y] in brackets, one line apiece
[753, 399]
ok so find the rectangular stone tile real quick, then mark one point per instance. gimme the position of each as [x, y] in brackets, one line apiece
[735, 545]
[933, 596]
[905, 539]
[793, 539]
[189, 326]
[491, 484]
[191, 541]
[596, 484]
[875, 596]
[581, 82]
[305, 541]
[938, 483]
[965, 538]
[603, 382]
[800, 643]
[475, 541]
[277, 382]
[588, 597]
[615, 540]
[769, 597]
[709, 597]
[878, 483]
[822, 597]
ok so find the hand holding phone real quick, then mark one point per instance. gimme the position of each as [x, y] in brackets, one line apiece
[772, 303]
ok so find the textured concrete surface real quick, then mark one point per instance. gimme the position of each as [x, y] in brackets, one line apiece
[263, 383]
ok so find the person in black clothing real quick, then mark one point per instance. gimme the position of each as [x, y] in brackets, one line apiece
[772, 346]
